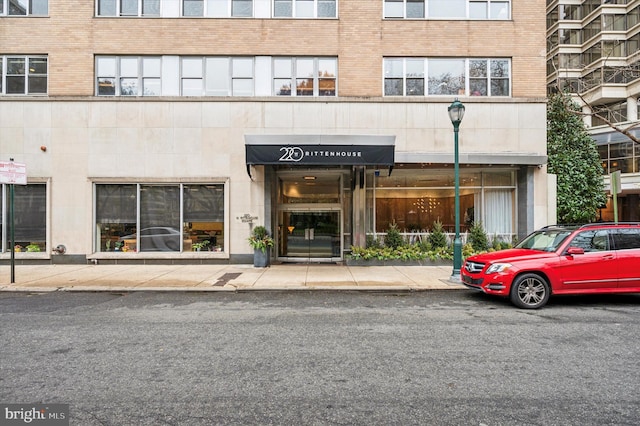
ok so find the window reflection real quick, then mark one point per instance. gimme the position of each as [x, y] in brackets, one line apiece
[446, 76]
[406, 76]
[447, 8]
[415, 198]
[159, 227]
[30, 224]
[311, 76]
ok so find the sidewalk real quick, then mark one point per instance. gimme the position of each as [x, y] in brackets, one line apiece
[42, 278]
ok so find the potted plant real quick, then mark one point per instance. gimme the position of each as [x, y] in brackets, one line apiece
[200, 245]
[261, 243]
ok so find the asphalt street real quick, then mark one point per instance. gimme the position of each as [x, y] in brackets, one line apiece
[451, 357]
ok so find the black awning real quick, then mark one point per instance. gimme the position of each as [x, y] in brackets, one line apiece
[317, 150]
[362, 155]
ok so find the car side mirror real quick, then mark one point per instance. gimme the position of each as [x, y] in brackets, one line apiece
[575, 250]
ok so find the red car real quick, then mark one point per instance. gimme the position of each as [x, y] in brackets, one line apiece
[592, 259]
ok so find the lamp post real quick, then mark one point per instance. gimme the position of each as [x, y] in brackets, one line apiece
[456, 112]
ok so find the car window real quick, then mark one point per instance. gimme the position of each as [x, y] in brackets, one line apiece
[548, 240]
[593, 240]
[626, 239]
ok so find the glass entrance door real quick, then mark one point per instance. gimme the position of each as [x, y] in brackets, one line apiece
[310, 236]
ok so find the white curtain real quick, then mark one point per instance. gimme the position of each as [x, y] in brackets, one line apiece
[499, 211]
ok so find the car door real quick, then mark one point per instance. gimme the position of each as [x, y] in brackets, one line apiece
[627, 244]
[593, 270]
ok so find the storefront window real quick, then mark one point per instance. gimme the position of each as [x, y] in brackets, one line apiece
[171, 218]
[115, 217]
[204, 217]
[414, 199]
[30, 218]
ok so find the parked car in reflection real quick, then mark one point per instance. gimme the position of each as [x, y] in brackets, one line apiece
[596, 258]
[156, 238]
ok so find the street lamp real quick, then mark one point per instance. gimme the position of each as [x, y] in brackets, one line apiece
[456, 112]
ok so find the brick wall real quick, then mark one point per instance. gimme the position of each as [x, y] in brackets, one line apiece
[71, 36]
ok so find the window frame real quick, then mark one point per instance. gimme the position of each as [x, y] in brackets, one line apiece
[391, 73]
[296, 5]
[117, 7]
[185, 218]
[118, 77]
[211, 12]
[295, 78]
[25, 75]
[390, 12]
[5, 7]
[5, 238]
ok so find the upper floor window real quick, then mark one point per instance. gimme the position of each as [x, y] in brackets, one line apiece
[24, 7]
[309, 76]
[128, 7]
[263, 9]
[447, 76]
[171, 75]
[448, 9]
[23, 75]
[216, 76]
[304, 8]
[128, 76]
[217, 8]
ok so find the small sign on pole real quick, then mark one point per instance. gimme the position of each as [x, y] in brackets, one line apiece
[12, 174]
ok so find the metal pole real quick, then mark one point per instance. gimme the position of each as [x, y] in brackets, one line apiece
[615, 183]
[457, 242]
[12, 234]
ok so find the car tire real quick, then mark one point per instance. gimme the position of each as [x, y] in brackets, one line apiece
[530, 291]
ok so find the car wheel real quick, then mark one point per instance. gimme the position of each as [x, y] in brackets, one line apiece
[530, 291]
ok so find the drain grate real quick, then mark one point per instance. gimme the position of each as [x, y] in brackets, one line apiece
[225, 278]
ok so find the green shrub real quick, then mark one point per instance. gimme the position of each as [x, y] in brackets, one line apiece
[499, 244]
[478, 237]
[372, 242]
[437, 237]
[424, 245]
[393, 239]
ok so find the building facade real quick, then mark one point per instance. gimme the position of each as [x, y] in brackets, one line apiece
[594, 53]
[165, 130]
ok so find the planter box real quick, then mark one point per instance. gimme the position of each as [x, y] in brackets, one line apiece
[397, 262]
[261, 259]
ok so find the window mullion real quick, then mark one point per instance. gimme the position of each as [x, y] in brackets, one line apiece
[181, 197]
[316, 74]
[138, 228]
[489, 77]
[140, 76]
[404, 76]
[294, 73]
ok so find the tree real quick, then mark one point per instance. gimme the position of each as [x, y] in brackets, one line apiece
[574, 158]
[394, 238]
[600, 75]
[478, 237]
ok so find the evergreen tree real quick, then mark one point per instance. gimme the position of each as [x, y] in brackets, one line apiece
[478, 237]
[437, 237]
[574, 159]
[394, 238]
